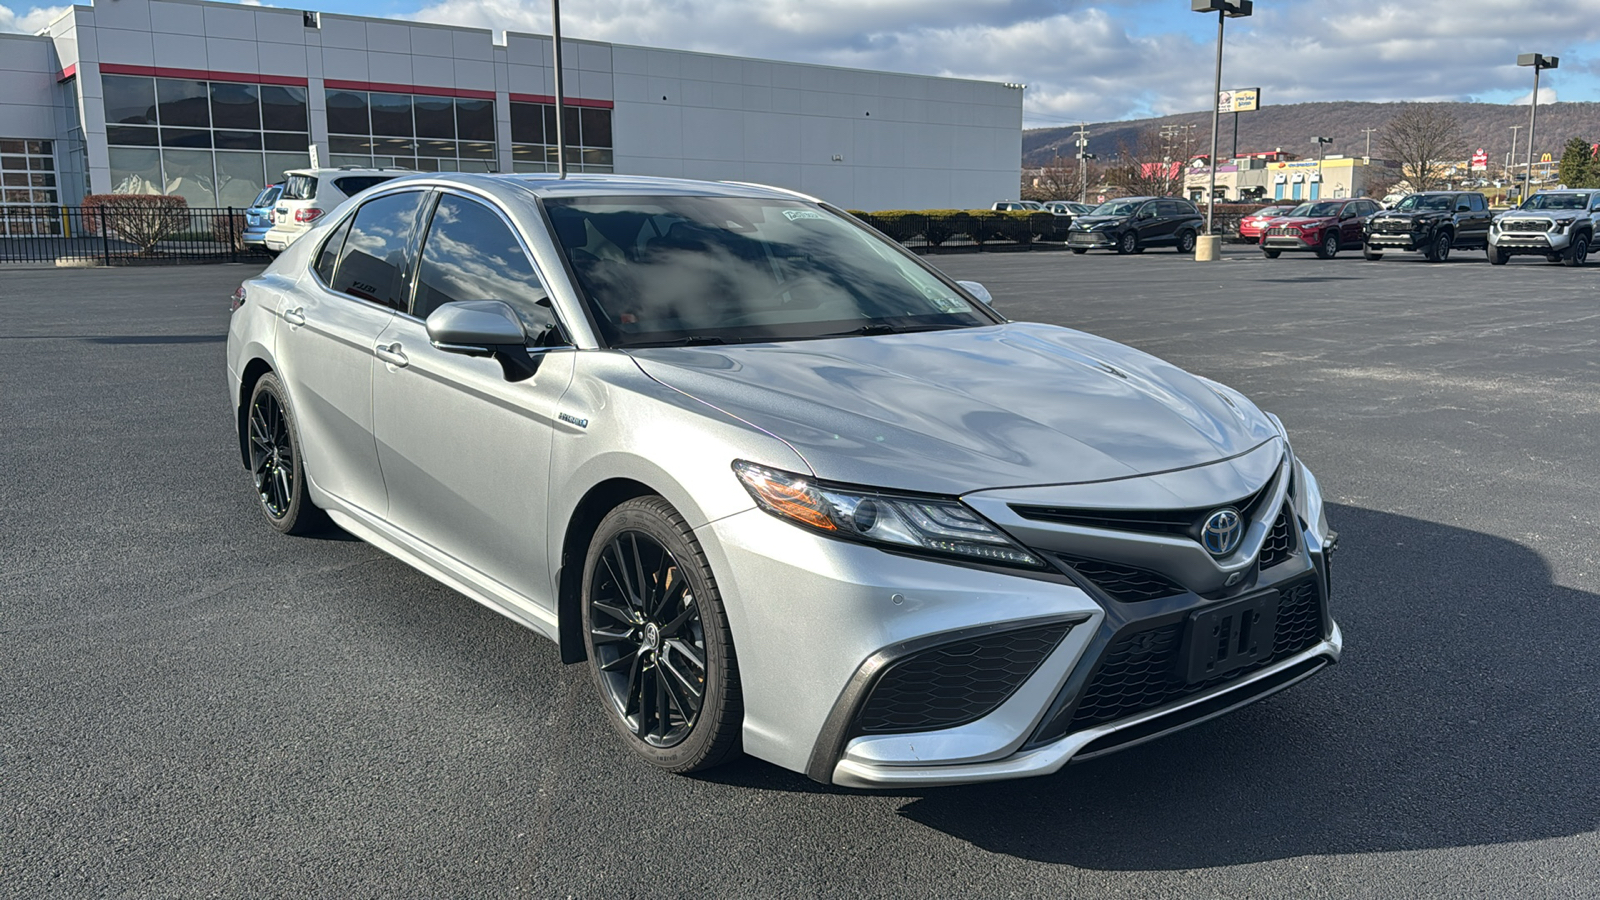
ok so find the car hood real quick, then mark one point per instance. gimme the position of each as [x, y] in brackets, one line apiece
[1091, 221]
[1558, 215]
[1302, 221]
[1411, 214]
[956, 411]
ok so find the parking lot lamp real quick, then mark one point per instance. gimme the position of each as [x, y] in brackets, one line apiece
[1538, 62]
[561, 143]
[1208, 247]
[1320, 142]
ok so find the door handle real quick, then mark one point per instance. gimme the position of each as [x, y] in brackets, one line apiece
[391, 354]
[296, 316]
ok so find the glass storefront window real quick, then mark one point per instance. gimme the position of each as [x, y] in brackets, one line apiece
[190, 176]
[419, 131]
[239, 178]
[283, 108]
[475, 120]
[391, 114]
[135, 171]
[129, 101]
[436, 117]
[183, 103]
[587, 137]
[235, 105]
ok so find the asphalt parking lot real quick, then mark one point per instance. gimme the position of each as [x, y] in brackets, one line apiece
[193, 706]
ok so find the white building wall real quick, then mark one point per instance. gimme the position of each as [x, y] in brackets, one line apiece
[859, 139]
[28, 73]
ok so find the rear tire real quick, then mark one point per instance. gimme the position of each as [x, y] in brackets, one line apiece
[277, 460]
[1578, 253]
[660, 649]
[1498, 257]
[1370, 254]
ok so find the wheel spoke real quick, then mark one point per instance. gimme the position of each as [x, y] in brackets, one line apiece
[689, 651]
[636, 564]
[626, 659]
[647, 700]
[604, 636]
[620, 615]
[664, 571]
[689, 611]
[633, 692]
[687, 684]
[619, 572]
[688, 708]
[661, 702]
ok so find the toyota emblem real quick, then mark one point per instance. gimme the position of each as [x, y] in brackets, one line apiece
[1222, 532]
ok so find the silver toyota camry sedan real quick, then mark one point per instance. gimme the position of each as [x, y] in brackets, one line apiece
[783, 488]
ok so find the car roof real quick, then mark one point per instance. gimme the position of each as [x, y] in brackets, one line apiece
[598, 185]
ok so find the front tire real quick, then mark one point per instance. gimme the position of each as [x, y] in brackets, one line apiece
[1439, 248]
[1271, 254]
[1370, 254]
[1578, 253]
[1329, 248]
[277, 460]
[1128, 243]
[1080, 250]
[660, 649]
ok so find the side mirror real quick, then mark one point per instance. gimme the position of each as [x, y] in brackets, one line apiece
[484, 328]
[978, 290]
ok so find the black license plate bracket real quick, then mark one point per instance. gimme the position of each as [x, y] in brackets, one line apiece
[1230, 636]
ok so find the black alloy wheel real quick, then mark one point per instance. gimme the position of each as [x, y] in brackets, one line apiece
[1186, 242]
[1128, 243]
[658, 640]
[1329, 248]
[1439, 248]
[276, 462]
[1578, 253]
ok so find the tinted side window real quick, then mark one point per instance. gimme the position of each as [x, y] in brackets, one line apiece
[1477, 202]
[300, 187]
[471, 254]
[329, 254]
[355, 184]
[374, 261]
[1148, 210]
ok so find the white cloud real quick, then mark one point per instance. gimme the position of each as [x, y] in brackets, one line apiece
[30, 21]
[1546, 95]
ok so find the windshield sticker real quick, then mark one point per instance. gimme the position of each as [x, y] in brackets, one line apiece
[792, 214]
[950, 304]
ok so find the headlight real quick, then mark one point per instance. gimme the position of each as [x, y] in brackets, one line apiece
[940, 526]
[1559, 226]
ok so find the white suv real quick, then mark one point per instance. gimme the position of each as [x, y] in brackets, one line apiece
[1559, 225]
[310, 194]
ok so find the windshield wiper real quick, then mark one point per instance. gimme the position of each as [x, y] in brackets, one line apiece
[697, 340]
[873, 328]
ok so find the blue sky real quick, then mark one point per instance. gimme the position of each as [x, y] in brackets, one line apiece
[1090, 59]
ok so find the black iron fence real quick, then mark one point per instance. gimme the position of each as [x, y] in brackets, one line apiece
[68, 235]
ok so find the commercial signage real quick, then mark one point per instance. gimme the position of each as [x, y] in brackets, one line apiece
[1480, 161]
[1242, 100]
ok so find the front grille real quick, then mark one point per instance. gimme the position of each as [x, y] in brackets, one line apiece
[1124, 583]
[1279, 545]
[1174, 522]
[1540, 226]
[1140, 670]
[956, 683]
[1392, 226]
[1279, 231]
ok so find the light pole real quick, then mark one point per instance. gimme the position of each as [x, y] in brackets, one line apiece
[1511, 158]
[561, 144]
[1369, 132]
[1209, 247]
[1320, 142]
[1083, 161]
[1538, 62]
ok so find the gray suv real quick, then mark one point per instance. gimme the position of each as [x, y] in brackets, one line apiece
[1558, 225]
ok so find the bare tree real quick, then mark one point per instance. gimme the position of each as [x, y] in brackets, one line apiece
[1058, 180]
[1424, 140]
[1145, 168]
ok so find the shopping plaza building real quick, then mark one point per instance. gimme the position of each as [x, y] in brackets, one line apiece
[211, 101]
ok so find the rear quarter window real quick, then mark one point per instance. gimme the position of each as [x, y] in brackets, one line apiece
[355, 184]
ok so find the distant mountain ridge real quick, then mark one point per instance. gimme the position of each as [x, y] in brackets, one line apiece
[1291, 127]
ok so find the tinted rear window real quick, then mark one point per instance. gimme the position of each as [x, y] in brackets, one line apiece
[375, 259]
[299, 187]
[355, 184]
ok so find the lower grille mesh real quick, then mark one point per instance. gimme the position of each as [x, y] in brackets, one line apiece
[1140, 671]
[956, 683]
[1124, 583]
[1279, 545]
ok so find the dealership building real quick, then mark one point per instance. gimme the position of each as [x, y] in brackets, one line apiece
[211, 101]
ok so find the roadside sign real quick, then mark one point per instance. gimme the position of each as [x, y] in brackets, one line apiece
[1238, 101]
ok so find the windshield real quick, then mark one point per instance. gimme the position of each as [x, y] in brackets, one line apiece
[1272, 211]
[268, 196]
[1426, 201]
[682, 270]
[1557, 201]
[1117, 208]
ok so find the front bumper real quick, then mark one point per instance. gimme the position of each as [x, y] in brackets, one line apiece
[1535, 242]
[1288, 242]
[1413, 241]
[847, 653]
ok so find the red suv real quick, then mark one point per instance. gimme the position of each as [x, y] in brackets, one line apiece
[1326, 226]
[1251, 226]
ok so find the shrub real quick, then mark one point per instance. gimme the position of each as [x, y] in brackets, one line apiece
[143, 220]
[228, 228]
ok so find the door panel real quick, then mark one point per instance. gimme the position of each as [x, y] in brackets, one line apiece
[466, 454]
[327, 364]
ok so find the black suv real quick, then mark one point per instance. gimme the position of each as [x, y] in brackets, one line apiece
[1434, 222]
[1131, 224]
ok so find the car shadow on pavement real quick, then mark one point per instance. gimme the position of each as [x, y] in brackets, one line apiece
[1462, 714]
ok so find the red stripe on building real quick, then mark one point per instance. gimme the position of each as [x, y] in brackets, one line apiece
[68, 72]
[569, 101]
[407, 89]
[201, 75]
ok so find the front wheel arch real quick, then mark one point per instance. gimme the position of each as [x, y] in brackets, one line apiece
[585, 519]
